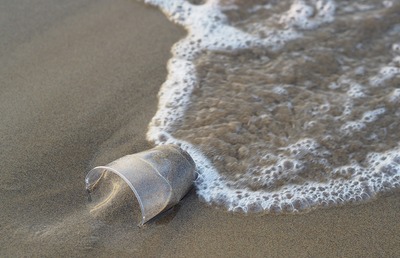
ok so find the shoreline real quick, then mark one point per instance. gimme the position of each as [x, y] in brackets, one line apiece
[82, 92]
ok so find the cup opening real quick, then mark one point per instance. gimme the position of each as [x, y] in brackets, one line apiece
[109, 192]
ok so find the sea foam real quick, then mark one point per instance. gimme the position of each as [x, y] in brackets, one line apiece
[276, 113]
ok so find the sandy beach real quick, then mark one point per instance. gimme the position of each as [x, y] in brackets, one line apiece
[79, 84]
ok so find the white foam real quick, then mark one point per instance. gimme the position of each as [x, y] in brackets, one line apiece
[394, 97]
[396, 61]
[173, 98]
[368, 117]
[259, 7]
[387, 3]
[309, 14]
[371, 116]
[356, 90]
[352, 126]
[279, 90]
[396, 47]
[359, 70]
[385, 73]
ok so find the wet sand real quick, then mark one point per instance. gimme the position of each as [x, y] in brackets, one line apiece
[79, 83]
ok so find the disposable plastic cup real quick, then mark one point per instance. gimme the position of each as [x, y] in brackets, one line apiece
[159, 177]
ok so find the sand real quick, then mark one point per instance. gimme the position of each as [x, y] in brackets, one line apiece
[79, 83]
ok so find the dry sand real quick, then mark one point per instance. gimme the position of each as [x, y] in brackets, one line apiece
[79, 83]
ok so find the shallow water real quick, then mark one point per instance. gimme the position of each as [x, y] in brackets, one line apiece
[285, 105]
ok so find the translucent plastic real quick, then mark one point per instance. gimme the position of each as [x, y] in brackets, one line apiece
[159, 177]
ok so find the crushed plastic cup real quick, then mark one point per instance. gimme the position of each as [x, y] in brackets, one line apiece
[159, 177]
